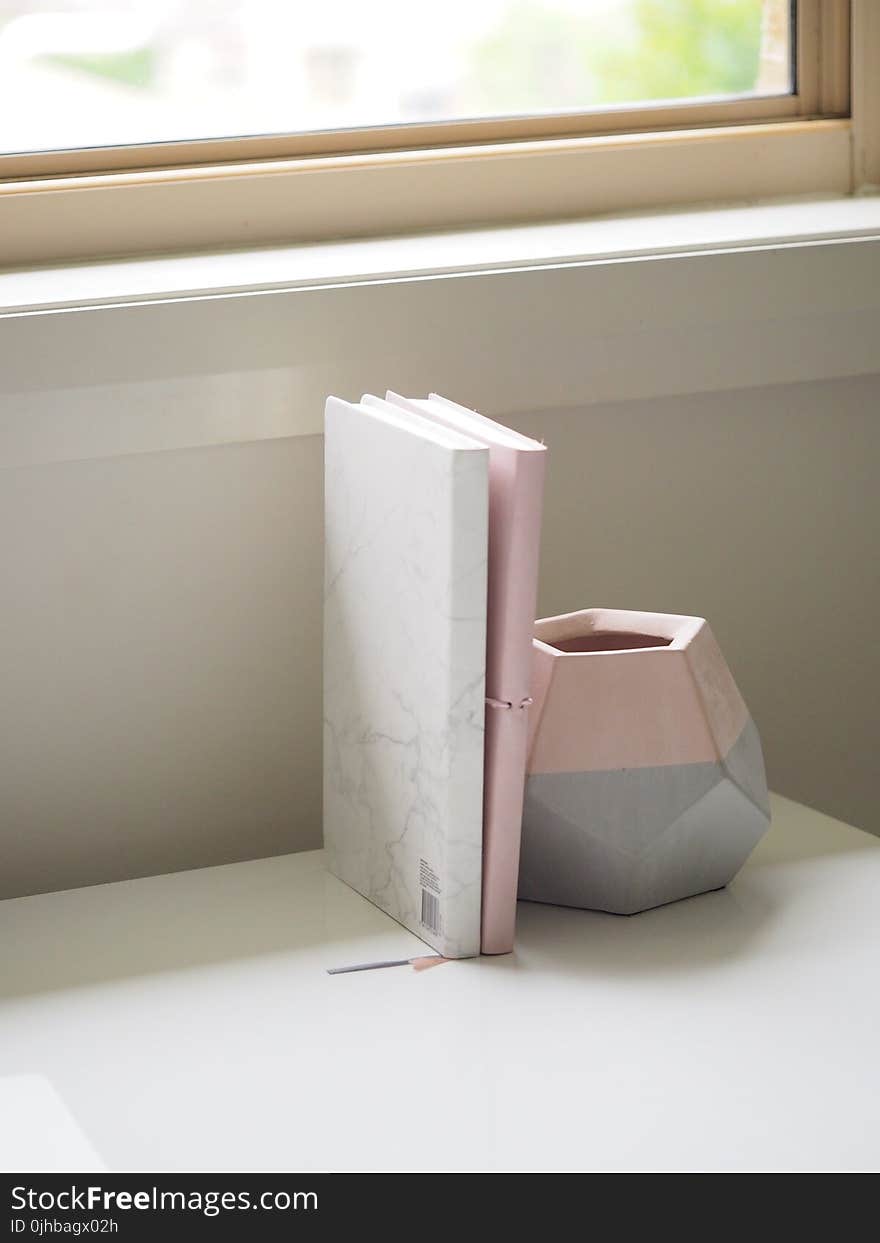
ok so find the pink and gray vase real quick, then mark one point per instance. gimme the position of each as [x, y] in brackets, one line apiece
[645, 776]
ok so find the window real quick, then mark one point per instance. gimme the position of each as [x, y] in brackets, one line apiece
[93, 74]
[275, 120]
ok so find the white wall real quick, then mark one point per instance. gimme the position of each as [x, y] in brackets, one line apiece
[758, 509]
[161, 618]
[160, 662]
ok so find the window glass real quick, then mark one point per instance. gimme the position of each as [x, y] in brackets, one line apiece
[86, 73]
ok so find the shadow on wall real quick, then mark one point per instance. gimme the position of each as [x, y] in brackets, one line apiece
[160, 662]
[757, 509]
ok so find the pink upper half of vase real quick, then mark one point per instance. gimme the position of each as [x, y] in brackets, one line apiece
[617, 689]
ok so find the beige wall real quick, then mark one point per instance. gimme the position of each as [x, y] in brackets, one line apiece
[758, 509]
[160, 662]
[161, 621]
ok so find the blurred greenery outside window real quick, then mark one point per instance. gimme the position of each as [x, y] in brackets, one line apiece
[185, 70]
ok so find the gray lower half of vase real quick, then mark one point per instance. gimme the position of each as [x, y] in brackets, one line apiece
[636, 838]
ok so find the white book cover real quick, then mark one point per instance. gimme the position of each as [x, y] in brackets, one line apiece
[406, 559]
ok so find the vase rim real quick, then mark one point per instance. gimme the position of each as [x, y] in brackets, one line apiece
[673, 632]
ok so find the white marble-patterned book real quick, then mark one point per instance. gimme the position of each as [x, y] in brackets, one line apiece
[406, 555]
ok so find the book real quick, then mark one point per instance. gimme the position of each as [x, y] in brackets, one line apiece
[406, 553]
[516, 483]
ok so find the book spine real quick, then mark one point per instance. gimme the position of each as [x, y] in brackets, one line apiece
[460, 902]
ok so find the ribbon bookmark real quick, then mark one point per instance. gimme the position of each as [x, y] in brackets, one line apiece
[418, 964]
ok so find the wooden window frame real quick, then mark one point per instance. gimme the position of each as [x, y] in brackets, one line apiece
[70, 205]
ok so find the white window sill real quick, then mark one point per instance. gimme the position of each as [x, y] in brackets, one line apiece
[601, 239]
[103, 359]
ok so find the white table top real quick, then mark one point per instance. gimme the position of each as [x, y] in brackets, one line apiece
[186, 1022]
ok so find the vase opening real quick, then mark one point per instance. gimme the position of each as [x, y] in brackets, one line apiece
[609, 641]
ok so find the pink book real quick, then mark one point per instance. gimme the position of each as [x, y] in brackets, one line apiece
[516, 485]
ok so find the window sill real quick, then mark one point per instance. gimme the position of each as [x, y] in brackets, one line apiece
[289, 268]
[146, 354]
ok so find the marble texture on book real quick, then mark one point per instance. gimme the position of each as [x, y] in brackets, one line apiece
[406, 540]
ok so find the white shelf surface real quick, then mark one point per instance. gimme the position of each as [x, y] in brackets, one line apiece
[186, 1022]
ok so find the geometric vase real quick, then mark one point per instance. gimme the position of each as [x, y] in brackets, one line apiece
[645, 778]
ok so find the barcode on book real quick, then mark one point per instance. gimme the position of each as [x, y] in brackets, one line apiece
[430, 911]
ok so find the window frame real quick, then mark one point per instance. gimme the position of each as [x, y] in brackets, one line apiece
[251, 191]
